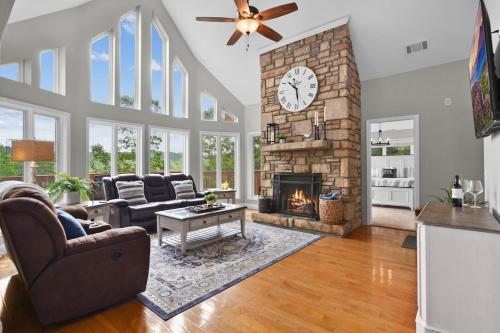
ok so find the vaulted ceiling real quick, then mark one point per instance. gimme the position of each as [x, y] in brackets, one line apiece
[380, 31]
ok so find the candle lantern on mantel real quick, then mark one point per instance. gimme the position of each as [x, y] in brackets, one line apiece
[272, 133]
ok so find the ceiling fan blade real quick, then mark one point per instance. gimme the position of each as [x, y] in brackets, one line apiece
[278, 11]
[234, 37]
[216, 19]
[243, 7]
[267, 32]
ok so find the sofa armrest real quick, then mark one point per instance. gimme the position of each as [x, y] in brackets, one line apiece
[119, 215]
[202, 194]
[94, 227]
[78, 212]
[118, 202]
[104, 239]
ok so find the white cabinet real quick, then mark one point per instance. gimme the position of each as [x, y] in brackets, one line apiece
[458, 274]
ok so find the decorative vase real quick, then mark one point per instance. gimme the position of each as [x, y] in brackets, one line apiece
[282, 140]
[72, 198]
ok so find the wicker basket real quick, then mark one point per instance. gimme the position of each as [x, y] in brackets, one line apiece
[331, 211]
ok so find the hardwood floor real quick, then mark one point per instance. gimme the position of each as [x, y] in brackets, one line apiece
[366, 283]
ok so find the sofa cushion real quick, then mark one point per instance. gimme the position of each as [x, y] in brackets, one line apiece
[156, 189]
[72, 228]
[110, 191]
[132, 192]
[144, 212]
[173, 204]
[183, 189]
[195, 201]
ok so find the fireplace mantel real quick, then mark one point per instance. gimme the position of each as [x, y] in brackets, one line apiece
[296, 146]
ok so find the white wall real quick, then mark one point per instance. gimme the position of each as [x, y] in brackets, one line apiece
[73, 30]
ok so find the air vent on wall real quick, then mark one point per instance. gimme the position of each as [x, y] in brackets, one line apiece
[417, 47]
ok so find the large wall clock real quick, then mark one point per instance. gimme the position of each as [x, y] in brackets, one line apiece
[297, 89]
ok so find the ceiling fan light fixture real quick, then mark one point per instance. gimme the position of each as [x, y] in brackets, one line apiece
[247, 26]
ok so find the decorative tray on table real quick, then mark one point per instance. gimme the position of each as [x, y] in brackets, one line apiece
[205, 208]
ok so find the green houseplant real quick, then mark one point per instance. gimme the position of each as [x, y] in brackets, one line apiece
[282, 138]
[73, 188]
[211, 199]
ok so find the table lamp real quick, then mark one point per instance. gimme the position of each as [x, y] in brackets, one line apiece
[33, 151]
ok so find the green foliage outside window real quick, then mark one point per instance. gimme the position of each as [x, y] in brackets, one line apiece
[8, 168]
[376, 151]
[398, 151]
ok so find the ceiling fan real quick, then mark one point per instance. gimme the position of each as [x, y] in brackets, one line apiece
[250, 20]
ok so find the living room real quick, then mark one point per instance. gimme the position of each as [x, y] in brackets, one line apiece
[253, 166]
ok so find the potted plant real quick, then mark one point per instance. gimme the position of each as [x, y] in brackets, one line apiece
[282, 138]
[211, 199]
[72, 188]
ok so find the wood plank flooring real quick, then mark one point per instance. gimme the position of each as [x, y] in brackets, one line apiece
[366, 283]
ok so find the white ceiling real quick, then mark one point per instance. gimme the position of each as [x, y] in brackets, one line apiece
[26, 9]
[380, 30]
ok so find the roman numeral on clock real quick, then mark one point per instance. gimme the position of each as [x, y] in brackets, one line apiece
[282, 92]
[310, 77]
[312, 85]
[288, 105]
[283, 99]
[297, 71]
[310, 95]
[289, 75]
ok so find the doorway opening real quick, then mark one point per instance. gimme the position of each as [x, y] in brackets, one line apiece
[392, 172]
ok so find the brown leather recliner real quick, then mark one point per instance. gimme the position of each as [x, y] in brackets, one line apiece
[71, 278]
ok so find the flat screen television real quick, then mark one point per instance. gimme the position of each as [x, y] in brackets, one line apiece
[484, 83]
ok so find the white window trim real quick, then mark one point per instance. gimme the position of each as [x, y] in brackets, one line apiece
[203, 94]
[218, 168]
[185, 92]
[111, 73]
[114, 137]
[169, 131]
[234, 116]
[55, 71]
[250, 165]
[138, 61]
[165, 70]
[63, 140]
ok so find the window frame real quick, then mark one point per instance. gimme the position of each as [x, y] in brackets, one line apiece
[210, 96]
[168, 131]
[185, 91]
[218, 167]
[111, 70]
[138, 56]
[250, 164]
[166, 65]
[55, 70]
[62, 144]
[114, 142]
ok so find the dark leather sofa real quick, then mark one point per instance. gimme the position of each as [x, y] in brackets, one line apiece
[159, 193]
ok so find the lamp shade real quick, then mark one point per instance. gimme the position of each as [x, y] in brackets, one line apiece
[32, 150]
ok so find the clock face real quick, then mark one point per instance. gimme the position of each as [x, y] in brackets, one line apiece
[297, 89]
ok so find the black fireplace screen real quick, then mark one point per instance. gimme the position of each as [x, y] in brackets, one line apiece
[296, 194]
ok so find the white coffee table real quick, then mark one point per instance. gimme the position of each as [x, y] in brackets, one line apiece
[197, 229]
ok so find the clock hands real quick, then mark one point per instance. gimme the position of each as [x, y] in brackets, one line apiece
[296, 88]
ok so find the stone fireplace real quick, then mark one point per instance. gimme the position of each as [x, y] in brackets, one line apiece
[297, 194]
[334, 161]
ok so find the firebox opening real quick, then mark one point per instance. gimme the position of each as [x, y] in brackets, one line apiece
[297, 194]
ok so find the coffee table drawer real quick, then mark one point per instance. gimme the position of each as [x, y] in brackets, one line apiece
[202, 223]
[233, 216]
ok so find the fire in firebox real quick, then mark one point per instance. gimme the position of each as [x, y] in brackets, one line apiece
[299, 203]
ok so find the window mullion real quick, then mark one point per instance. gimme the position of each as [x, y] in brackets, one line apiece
[218, 163]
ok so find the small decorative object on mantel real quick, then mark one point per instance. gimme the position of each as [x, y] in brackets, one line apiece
[271, 133]
[282, 138]
[331, 209]
[308, 136]
[316, 125]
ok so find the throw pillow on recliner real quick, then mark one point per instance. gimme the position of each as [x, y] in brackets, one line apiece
[183, 189]
[72, 228]
[132, 192]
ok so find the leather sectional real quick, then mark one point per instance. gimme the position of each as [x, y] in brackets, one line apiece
[159, 193]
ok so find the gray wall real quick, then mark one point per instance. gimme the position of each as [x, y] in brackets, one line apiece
[5, 9]
[73, 30]
[447, 143]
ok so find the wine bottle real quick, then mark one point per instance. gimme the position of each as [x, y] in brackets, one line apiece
[456, 193]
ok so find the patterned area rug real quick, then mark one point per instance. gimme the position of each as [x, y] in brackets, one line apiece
[178, 282]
